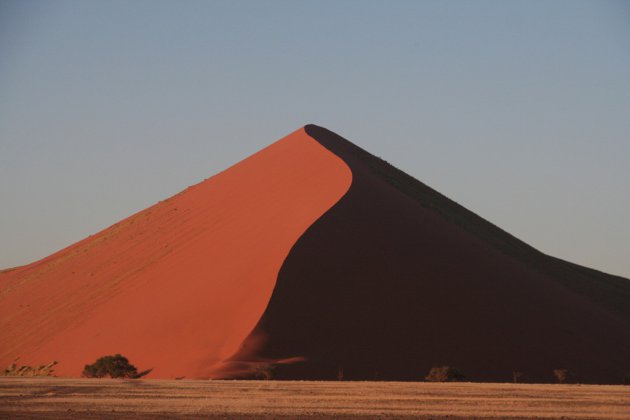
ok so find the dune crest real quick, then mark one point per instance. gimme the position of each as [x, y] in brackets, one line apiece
[314, 259]
[396, 278]
[176, 287]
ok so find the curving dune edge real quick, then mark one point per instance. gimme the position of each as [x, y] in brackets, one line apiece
[322, 261]
[176, 287]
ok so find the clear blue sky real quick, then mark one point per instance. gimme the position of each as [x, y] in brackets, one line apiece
[519, 110]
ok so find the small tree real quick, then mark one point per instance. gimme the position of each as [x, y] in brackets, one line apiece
[444, 374]
[562, 375]
[116, 366]
[340, 374]
[516, 376]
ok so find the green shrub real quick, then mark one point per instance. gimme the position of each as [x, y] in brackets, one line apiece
[116, 366]
[444, 374]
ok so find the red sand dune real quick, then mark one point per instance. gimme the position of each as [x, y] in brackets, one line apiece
[178, 286]
[318, 257]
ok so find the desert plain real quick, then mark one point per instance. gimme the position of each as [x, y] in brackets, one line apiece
[56, 398]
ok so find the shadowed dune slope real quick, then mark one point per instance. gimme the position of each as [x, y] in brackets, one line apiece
[397, 278]
[178, 286]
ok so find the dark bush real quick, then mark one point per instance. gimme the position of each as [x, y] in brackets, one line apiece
[116, 366]
[262, 371]
[444, 374]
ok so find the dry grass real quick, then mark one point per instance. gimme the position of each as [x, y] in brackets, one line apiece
[63, 398]
[25, 370]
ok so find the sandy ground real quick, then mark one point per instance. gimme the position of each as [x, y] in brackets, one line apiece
[63, 398]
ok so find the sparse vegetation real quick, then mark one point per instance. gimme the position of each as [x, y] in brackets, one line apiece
[40, 370]
[263, 371]
[516, 376]
[562, 375]
[116, 366]
[444, 374]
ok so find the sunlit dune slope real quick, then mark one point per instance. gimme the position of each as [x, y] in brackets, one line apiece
[396, 278]
[178, 286]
